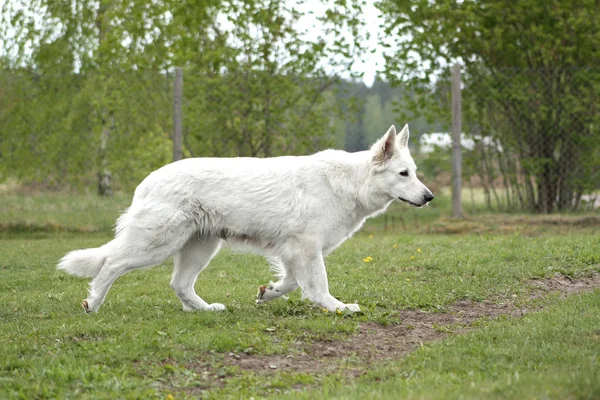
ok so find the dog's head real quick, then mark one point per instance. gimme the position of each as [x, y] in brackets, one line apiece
[395, 171]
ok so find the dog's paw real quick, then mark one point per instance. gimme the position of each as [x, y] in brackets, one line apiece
[261, 293]
[88, 306]
[266, 293]
[217, 307]
[351, 308]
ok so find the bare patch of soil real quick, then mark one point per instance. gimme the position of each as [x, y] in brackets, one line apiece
[375, 342]
[565, 285]
[504, 224]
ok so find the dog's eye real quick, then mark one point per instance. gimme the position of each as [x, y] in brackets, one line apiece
[404, 173]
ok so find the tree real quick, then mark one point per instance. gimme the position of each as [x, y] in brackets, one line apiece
[374, 120]
[108, 58]
[530, 83]
[254, 86]
[265, 94]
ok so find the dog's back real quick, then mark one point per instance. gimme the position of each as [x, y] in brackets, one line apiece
[249, 197]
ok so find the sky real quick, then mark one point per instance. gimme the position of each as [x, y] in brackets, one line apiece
[371, 62]
[375, 61]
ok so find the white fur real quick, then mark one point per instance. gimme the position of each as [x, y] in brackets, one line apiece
[294, 210]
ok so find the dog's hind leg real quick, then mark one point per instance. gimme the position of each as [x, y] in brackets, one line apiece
[136, 246]
[287, 283]
[123, 261]
[189, 261]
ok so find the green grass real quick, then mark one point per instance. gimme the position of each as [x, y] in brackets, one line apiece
[554, 354]
[142, 345]
[56, 212]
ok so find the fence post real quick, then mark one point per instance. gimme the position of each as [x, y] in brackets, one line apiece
[456, 133]
[178, 115]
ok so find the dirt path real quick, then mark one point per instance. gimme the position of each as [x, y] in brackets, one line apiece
[374, 342]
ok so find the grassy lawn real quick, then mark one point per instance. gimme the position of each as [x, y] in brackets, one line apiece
[142, 345]
[59, 212]
[553, 354]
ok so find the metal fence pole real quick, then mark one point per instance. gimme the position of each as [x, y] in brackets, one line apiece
[456, 133]
[178, 115]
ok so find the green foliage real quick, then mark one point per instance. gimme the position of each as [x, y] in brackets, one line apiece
[98, 97]
[490, 34]
[378, 117]
[434, 163]
[51, 128]
[264, 93]
[529, 85]
[368, 113]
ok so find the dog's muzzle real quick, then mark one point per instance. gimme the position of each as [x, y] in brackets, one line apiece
[427, 197]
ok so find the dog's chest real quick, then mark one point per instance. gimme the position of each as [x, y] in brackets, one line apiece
[338, 233]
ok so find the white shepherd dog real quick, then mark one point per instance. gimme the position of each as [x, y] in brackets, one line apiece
[294, 210]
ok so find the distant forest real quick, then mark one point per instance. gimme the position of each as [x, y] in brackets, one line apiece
[369, 112]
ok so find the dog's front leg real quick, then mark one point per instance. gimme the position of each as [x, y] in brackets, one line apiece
[305, 261]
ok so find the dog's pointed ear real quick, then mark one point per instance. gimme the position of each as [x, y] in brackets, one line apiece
[384, 148]
[403, 137]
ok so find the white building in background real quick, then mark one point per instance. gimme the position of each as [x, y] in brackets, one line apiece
[429, 141]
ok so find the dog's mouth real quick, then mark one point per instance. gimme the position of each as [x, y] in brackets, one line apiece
[414, 204]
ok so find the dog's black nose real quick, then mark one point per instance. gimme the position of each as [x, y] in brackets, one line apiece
[428, 197]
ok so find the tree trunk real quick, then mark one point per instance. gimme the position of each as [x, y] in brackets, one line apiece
[547, 186]
[503, 166]
[104, 175]
[484, 176]
[568, 167]
[515, 174]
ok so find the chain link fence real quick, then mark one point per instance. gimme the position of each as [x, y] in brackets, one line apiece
[111, 130]
[530, 138]
[77, 130]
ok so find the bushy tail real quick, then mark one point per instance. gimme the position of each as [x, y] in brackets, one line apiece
[85, 263]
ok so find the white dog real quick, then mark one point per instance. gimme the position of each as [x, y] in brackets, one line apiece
[295, 210]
